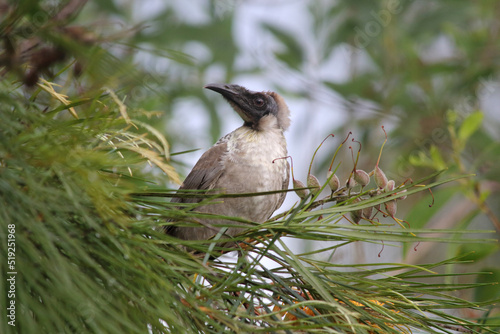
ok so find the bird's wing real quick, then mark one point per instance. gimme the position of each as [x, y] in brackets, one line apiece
[284, 187]
[205, 173]
[202, 177]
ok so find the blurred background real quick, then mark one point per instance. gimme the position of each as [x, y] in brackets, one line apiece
[425, 70]
[428, 71]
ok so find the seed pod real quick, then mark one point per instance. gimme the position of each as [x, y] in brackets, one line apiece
[333, 181]
[350, 183]
[312, 182]
[380, 178]
[389, 186]
[302, 193]
[402, 197]
[367, 212]
[391, 208]
[361, 177]
[356, 215]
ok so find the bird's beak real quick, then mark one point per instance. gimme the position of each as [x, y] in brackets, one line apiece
[224, 89]
[237, 96]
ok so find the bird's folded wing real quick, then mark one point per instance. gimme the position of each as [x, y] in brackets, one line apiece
[205, 173]
[284, 187]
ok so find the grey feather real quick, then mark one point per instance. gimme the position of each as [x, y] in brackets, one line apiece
[205, 173]
[244, 161]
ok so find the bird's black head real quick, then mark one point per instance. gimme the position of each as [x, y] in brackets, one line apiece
[253, 106]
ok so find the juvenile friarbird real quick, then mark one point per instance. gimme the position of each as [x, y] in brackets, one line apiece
[243, 161]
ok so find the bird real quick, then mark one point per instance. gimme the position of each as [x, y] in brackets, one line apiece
[247, 160]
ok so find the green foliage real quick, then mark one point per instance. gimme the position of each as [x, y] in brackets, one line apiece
[427, 69]
[83, 245]
[490, 277]
[85, 171]
[293, 54]
[64, 188]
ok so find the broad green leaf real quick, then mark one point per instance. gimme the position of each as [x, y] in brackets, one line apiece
[294, 54]
[470, 125]
[437, 158]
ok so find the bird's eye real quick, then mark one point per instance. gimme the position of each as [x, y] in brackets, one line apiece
[259, 102]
